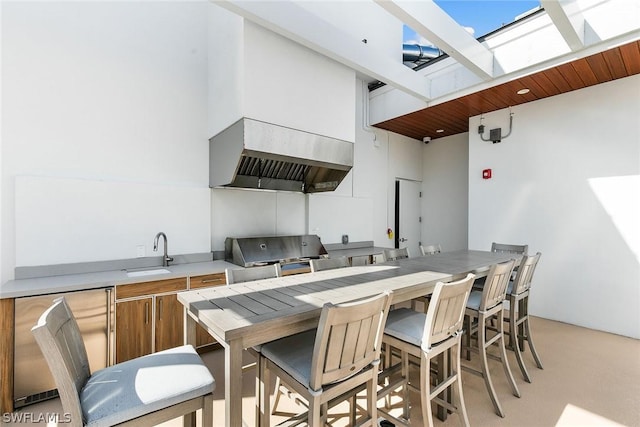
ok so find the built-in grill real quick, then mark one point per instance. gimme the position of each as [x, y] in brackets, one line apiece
[290, 251]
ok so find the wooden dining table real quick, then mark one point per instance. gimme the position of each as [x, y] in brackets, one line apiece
[457, 263]
[245, 315]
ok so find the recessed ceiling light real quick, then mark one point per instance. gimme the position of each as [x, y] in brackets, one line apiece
[523, 91]
[439, 130]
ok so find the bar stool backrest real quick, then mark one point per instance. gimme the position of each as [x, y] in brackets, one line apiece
[239, 275]
[527, 267]
[508, 248]
[445, 314]
[395, 254]
[430, 249]
[494, 290]
[348, 339]
[328, 263]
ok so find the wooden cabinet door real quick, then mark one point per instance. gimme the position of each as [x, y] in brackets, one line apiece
[169, 322]
[134, 329]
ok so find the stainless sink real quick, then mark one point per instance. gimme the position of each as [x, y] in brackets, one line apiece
[152, 272]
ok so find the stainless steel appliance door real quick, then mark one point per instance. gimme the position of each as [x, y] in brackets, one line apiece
[93, 312]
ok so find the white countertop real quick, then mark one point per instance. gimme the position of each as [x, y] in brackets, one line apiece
[103, 279]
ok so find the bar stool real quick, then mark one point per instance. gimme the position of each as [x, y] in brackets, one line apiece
[427, 336]
[238, 275]
[395, 254]
[329, 363]
[484, 306]
[425, 251]
[517, 304]
[147, 390]
[430, 249]
[328, 263]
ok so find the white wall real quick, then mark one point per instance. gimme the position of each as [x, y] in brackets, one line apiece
[332, 216]
[380, 157]
[225, 71]
[290, 85]
[445, 192]
[567, 182]
[107, 110]
[247, 213]
[371, 171]
[64, 220]
[103, 94]
[259, 74]
[405, 162]
[362, 20]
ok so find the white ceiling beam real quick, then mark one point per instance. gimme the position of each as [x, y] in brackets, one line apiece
[429, 20]
[298, 24]
[567, 17]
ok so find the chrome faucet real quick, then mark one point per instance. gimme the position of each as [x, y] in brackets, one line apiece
[166, 258]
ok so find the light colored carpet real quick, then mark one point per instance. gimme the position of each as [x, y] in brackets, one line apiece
[590, 378]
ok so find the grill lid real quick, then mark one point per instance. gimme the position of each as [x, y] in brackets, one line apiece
[251, 251]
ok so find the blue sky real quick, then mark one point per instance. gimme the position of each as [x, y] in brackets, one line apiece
[483, 16]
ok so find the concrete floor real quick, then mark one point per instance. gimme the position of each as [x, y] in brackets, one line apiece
[590, 378]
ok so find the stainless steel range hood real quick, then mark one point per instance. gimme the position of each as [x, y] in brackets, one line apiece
[255, 154]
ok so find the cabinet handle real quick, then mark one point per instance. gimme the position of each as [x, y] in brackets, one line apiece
[210, 280]
[109, 330]
[160, 309]
[146, 313]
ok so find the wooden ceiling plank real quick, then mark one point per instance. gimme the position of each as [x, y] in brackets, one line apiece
[585, 72]
[599, 67]
[446, 121]
[536, 90]
[510, 91]
[474, 110]
[615, 63]
[443, 113]
[412, 130]
[571, 76]
[631, 57]
[558, 79]
[482, 101]
[453, 108]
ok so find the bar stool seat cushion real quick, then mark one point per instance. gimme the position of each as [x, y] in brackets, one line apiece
[143, 385]
[510, 287]
[474, 300]
[406, 325]
[507, 303]
[293, 354]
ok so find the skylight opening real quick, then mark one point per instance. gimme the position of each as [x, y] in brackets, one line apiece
[478, 17]
[481, 17]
